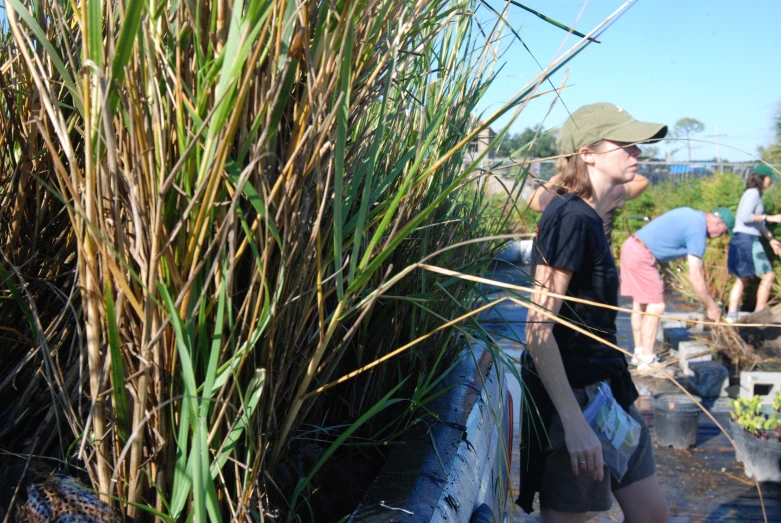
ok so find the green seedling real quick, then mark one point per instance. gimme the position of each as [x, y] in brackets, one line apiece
[748, 415]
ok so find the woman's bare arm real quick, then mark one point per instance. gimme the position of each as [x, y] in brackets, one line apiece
[582, 443]
[544, 194]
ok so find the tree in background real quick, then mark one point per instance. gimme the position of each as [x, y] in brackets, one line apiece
[772, 153]
[650, 152]
[530, 143]
[685, 128]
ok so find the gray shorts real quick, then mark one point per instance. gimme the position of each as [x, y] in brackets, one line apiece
[562, 491]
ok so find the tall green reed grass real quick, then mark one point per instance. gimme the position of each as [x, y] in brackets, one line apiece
[211, 209]
[232, 187]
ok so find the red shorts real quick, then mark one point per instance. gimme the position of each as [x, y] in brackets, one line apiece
[639, 273]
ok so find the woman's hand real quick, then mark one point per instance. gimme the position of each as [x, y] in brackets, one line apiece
[773, 218]
[776, 246]
[585, 450]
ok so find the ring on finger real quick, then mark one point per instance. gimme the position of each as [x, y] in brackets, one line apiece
[583, 462]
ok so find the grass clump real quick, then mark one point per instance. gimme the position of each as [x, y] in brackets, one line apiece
[211, 210]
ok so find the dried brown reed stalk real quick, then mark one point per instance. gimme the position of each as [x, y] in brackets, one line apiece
[726, 340]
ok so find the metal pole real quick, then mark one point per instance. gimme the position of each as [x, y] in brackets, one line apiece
[718, 150]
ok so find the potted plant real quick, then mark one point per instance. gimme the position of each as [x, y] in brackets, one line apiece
[757, 436]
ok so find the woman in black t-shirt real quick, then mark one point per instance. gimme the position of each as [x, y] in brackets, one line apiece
[571, 257]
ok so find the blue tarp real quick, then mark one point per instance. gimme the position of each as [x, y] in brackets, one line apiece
[691, 168]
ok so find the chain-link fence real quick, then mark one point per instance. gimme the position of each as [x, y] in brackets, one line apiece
[655, 171]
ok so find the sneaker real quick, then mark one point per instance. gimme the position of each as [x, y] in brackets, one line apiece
[645, 363]
[634, 361]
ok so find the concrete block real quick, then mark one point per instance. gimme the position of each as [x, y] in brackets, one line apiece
[680, 318]
[675, 335]
[710, 379]
[686, 355]
[677, 322]
[762, 383]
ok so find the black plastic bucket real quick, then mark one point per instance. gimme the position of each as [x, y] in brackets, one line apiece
[676, 418]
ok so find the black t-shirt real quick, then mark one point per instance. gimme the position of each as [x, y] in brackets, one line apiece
[570, 235]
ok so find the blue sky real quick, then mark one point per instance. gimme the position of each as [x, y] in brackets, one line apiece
[716, 61]
[662, 60]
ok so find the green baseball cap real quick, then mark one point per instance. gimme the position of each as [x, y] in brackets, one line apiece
[603, 121]
[763, 169]
[726, 216]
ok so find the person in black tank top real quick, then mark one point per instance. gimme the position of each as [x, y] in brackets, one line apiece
[571, 256]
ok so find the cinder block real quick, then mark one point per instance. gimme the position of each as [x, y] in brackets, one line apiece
[675, 335]
[678, 322]
[686, 355]
[762, 383]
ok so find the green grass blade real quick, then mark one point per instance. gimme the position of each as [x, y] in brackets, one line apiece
[254, 198]
[289, 20]
[251, 400]
[214, 351]
[343, 106]
[384, 403]
[54, 56]
[209, 497]
[184, 350]
[369, 167]
[429, 136]
[279, 107]
[117, 369]
[95, 31]
[183, 475]
[134, 10]
[550, 21]
[199, 486]
[241, 36]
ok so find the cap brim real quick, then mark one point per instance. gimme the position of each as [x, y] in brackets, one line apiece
[763, 169]
[638, 132]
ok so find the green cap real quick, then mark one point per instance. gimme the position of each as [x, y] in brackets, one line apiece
[763, 169]
[603, 121]
[726, 216]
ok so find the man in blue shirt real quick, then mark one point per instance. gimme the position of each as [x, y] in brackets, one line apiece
[675, 234]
